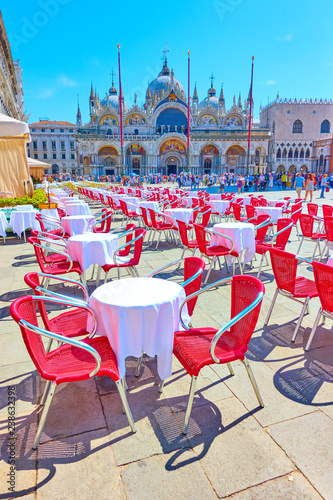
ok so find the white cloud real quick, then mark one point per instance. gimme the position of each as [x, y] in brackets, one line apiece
[64, 81]
[270, 82]
[287, 38]
[46, 94]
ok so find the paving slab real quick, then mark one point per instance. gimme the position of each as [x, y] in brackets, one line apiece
[307, 441]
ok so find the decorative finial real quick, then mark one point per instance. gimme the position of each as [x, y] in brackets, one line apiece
[112, 74]
[165, 53]
[212, 78]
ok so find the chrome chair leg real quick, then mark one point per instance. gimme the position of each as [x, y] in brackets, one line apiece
[300, 319]
[314, 328]
[158, 241]
[240, 265]
[300, 245]
[47, 282]
[271, 307]
[189, 404]
[260, 266]
[45, 393]
[209, 270]
[231, 370]
[44, 415]
[161, 386]
[253, 382]
[127, 409]
[138, 366]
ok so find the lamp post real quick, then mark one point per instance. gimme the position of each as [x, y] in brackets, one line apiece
[188, 110]
[122, 170]
[250, 122]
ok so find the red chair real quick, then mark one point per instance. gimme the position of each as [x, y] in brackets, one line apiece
[129, 214]
[328, 225]
[284, 267]
[263, 202]
[323, 275]
[327, 210]
[204, 213]
[251, 214]
[70, 323]
[67, 265]
[213, 253]
[196, 348]
[306, 222]
[284, 227]
[191, 245]
[296, 211]
[45, 221]
[161, 226]
[121, 257]
[312, 209]
[73, 361]
[254, 202]
[103, 222]
[236, 208]
[263, 223]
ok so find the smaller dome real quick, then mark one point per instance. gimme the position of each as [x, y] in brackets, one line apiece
[113, 100]
[113, 90]
[210, 101]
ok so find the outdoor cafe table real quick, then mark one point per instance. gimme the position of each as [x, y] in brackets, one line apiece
[242, 234]
[220, 205]
[77, 224]
[246, 199]
[140, 315]
[3, 224]
[78, 209]
[182, 214]
[272, 203]
[274, 212]
[20, 220]
[92, 248]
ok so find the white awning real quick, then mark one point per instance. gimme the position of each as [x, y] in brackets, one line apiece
[32, 162]
[9, 127]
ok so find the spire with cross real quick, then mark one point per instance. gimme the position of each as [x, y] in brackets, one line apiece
[165, 53]
[112, 74]
[211, 91]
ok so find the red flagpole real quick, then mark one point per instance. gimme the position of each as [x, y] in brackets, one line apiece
[188, 110]
[250, 120]
[121, 114]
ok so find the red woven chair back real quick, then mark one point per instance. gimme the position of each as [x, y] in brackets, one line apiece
[200, 234]
[192, 266]
[323, 275]
[39, 254]
[312, 209]
[298, 202]
[244, 290]
[295, 213]
[105, 225]
[206, 216]
[32, 280]
[255, 202]
[250, 211]
[144, 216]
[282, 239]
[123, 207]
[280, 204]
[284, 267]
[129, 237]
[183, 229]
[236, 208]
[195, 202]
[263, 202]
[24, 308]
[328, 223]
[327, 210]
[41, 223]
[153, 218]
[137, 246]
[306, 223]
[262, 231]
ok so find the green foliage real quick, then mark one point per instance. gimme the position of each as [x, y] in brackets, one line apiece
[39, 196]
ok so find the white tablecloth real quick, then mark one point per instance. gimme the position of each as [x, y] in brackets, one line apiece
[50, 212]
[243, 235]
[215, 197]
[73, 201]
[23, 219]
[139, 314]
[3, 224]
[78, 209]
[272, 203]
[182, 214]
[274, 212]
[220, 206]
[77, 224]
[92, 248]
[131, 202]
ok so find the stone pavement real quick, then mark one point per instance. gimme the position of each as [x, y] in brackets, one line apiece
[234, 449]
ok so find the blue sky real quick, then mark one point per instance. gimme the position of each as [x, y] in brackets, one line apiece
[64, 44]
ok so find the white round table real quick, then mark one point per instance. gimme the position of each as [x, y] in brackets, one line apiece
[92, 248]
[220, 206]
[246, 199]
[3, 224]
[243, 235]
[182, 214]
[77, 224]
[140, 314]
[50, 212]
[20, 220]
[274, 212]
[78, 209]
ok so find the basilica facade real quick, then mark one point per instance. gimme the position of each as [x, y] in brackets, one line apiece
[155, 134]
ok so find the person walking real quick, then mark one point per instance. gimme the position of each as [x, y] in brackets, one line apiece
[299, 184]
[284, 181]
[323, 185]
[309, 187]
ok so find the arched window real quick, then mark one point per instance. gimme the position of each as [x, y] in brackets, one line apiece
[172, 120]
[298, 127]
[273, 128]
[301, 154]
[278, 154]
[321, 160]
[290, 154]
[325, 127]
[284, 154]
[307, 154]
[208, 163]
[296, 154]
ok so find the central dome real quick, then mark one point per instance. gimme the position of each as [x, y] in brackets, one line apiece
[166, 82]
[210, 100]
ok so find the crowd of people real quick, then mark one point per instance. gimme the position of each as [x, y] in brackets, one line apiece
[248, 182]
